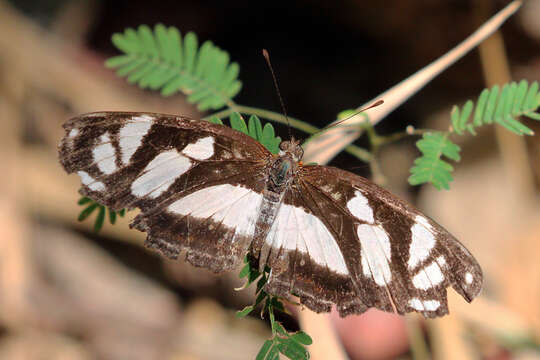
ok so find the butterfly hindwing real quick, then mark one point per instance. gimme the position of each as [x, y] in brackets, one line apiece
[172, 168]
[396, 259]
[306, 257]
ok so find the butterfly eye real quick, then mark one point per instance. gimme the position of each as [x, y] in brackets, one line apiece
[284, 145]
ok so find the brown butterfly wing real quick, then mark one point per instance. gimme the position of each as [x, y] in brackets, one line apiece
[153, 161]
[396, 258]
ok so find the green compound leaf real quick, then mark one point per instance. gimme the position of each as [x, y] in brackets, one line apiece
[501, 106]
[288, 344]
[102, 210]
[160, 59]
[430, 167]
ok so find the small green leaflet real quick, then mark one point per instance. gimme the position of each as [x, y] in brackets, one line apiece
[265, 135]
[430, 167]
[91, 206]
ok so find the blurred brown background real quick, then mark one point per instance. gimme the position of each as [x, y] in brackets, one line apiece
[67, 293]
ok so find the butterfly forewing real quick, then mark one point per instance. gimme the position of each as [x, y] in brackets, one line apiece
[191, 179]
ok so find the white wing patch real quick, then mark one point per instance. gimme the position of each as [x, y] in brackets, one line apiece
[428, 277]
[233, 206]
[284, 225]
[104, 155]
[426, 305]
[160, 173]
[295, 229]
[74, 132]
[359, 207]
[441, 261]
[89, 181]
[131, 135]
[202, 149]
[468, 278]
[422, 242]
[375, 253]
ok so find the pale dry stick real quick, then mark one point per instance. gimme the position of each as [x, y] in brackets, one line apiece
[506, 324]
[322, 149]
[447, 339]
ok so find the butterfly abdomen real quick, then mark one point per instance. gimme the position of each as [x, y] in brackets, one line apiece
[281, 172]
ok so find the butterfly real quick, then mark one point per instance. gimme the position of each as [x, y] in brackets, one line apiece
[330, 237]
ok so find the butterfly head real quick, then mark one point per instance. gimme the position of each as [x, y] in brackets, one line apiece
[292, 148]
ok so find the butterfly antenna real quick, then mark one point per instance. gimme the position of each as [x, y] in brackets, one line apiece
[267, 58]
[376, 103]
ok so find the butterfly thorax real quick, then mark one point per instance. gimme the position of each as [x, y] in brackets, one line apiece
[292, 148]
[280, 176]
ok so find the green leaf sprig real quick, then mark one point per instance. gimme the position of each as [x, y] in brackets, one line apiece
[292, 345]
[91, 206]
[160, 59]
[502, 107]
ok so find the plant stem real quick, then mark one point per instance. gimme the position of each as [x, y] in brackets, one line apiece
[271, 315]
[376, 141]
[409, 131]
[354, 150]
[270, 115]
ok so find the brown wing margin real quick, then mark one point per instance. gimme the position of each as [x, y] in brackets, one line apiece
[128, 143]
